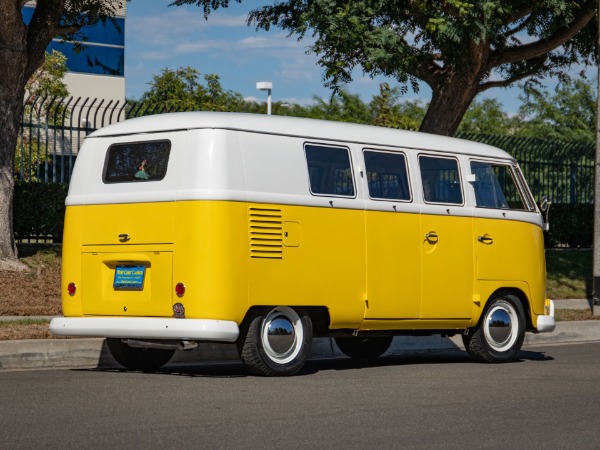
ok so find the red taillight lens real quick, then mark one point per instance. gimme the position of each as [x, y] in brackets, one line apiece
[180, 289]
[72, 289]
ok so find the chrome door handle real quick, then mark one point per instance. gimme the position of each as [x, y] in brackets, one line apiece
[485, 239]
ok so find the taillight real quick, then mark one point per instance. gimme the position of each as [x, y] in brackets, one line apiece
[71, 289]
[180, 289]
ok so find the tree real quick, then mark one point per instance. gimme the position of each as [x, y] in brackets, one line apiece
[568, 115]
[458, 47]
[46, 82]
[342, 107]
[22, 49]
[388, 112]
[180, 90]
[487, 117]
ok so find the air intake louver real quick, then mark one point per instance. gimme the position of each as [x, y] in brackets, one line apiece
[266, 233]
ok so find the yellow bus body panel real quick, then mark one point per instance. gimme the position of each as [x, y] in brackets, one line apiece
[370, 270]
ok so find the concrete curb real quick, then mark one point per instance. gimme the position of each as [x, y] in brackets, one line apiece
[93, 353]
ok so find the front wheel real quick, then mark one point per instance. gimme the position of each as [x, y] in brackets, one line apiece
[138, 358]
[499, 335]
[276, 342]
[364, 348]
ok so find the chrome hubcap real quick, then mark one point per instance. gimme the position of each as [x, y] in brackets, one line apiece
[282, 334]
[501, 326]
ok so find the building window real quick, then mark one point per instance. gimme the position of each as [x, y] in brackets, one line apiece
[95, 59]
[104, 52]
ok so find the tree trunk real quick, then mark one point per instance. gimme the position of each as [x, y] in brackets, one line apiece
[450, 100]
[13, 77]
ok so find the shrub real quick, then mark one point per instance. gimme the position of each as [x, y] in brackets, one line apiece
[571, 225]
[39, 210]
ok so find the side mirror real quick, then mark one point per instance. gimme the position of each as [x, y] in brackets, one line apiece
[545, 207]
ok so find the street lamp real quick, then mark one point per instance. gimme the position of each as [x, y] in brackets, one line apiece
[266, 86]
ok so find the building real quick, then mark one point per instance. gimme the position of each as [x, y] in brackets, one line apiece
[99, 71]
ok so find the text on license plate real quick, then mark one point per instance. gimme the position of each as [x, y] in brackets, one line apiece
[129, 277]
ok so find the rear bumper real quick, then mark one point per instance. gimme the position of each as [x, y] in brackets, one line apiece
[546, 322]
[146, 328]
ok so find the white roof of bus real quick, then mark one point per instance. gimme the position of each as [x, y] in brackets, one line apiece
[311, 129]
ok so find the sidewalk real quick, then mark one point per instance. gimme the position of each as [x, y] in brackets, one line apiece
[93, 353]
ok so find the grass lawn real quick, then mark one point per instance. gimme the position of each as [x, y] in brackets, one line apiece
[569, 273]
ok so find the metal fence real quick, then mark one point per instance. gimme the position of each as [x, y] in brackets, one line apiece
[53, 130]
[564, 171]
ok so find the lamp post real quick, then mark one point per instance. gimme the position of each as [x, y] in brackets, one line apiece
[266, 86]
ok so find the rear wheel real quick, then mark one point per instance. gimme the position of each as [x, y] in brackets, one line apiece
[138, 358]
[364, 348]
[499, 335]
[276, 342]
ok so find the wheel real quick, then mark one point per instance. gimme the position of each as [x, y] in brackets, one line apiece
[276, 342]
[364, 348]
[138, 358]
[499, 335]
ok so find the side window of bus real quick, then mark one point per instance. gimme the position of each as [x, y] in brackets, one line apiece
[441, 180]
[137, 162]
[387, 175]
[329, 170]
[495, 186]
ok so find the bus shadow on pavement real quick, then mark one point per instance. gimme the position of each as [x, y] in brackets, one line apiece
[235, 369]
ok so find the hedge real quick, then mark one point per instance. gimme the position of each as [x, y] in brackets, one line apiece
[571, 225]
[39, 210]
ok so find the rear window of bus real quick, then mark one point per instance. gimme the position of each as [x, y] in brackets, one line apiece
[137, 162]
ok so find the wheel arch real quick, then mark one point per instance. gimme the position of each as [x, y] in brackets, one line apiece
[319, 316]
[501, 292]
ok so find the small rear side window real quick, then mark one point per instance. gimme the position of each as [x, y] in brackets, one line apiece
[329, 170]
[137, 162]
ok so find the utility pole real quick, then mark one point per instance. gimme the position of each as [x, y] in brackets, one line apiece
[596, 249]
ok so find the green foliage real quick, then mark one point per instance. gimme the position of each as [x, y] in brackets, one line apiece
[569, 114]
[388, 112]
[458, 47]
[47, 81]
[181, 90]
[45, 84]
[571, 225]
[487, 117]
[39, 210]
[342, 107]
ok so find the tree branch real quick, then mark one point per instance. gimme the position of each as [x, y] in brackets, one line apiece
[521, 26]
[543, 46]
[505, 83]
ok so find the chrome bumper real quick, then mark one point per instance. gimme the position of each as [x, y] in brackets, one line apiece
[546, 322]
[146, 328]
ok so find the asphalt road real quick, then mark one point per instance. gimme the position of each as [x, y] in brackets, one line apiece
[550, 398]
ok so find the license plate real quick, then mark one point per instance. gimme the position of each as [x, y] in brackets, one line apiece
[129, 277]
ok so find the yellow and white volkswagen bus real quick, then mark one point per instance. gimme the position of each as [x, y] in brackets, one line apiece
[265, 231]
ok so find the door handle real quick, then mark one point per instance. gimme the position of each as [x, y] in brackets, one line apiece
[431, 236]
[485, 239]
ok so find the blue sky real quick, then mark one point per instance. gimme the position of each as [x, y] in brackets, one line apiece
[158, 36]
